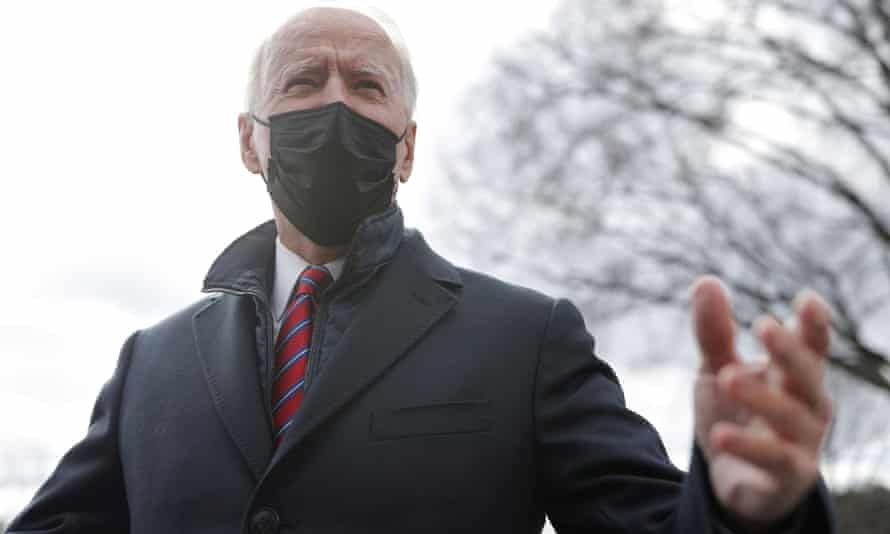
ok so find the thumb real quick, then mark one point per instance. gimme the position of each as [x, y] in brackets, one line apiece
[713, 324]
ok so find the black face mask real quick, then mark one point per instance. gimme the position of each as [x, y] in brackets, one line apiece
[329, 169]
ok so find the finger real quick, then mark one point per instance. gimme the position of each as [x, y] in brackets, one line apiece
[814, 321]
[802, 372]
[713, 324]
[786, 415]
[764, 450]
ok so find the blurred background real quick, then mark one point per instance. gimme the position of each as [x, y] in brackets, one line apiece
[607, 151]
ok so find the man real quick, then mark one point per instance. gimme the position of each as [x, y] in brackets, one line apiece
[342, 377]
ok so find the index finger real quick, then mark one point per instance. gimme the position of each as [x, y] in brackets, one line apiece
[713, 324]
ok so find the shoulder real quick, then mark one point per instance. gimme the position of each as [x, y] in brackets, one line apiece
[177, 326]
[485, 285]
[476, 288]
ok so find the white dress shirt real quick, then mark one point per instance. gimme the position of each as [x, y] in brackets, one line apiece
[288, 266]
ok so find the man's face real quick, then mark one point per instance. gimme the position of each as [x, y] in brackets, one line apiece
[328, 55]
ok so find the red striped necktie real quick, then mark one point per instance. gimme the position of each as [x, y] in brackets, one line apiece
[292, 346]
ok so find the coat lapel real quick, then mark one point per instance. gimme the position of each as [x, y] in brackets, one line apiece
[225, 345]
[408, 300]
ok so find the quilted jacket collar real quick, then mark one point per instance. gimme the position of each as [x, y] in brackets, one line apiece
[247, 265]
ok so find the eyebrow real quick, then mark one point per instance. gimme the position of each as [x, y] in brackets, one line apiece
[300, 66]
[283, 70]
[288, 66]
[370, 69]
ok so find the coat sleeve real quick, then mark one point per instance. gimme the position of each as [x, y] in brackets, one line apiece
[85, 493]
[603, 468]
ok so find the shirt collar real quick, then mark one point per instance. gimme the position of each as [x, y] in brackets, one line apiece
[288, 266]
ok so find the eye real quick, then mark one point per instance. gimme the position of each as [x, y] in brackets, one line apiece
[371, 85]
[300, 83]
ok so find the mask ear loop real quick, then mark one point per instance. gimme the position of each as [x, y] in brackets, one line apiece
[396, 177]
[264, 123]
[269, 126]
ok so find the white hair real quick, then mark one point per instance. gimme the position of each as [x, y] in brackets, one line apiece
[408, 78]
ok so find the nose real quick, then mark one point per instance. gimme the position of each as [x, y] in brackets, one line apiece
[335, 90]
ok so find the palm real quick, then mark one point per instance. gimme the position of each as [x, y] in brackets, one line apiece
[760, 426]
[755, 488]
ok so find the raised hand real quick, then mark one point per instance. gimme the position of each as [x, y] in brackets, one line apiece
[760, 425]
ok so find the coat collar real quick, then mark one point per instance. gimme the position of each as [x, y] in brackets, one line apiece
[247, 265]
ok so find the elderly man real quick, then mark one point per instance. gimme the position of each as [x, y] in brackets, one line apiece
[342, 377]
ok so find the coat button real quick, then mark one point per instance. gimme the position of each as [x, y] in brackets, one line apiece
[264, 521]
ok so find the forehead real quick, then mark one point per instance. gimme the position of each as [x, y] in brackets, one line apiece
[321, 32]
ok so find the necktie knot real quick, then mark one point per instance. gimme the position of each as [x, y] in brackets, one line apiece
[313, 281]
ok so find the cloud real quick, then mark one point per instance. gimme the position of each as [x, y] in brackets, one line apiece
[137, 289]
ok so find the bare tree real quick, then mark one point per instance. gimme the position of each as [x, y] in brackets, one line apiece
[646, 142]
[857, 451]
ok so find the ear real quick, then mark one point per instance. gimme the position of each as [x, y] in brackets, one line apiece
[248, 148]
[403, 170]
